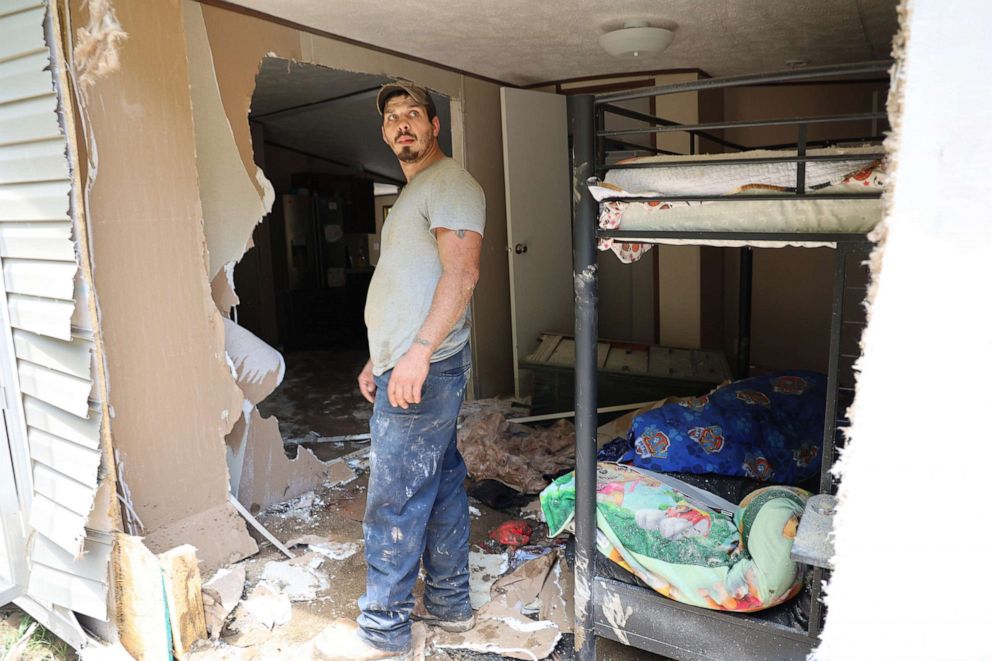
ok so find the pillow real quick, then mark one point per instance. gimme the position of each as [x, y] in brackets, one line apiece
[768, 428]
[687, 544]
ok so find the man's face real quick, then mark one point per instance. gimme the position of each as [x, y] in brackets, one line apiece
[406, 129]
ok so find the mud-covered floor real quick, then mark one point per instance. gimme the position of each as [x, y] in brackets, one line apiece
[319, 398]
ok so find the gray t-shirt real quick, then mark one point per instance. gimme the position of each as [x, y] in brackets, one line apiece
[402, 288]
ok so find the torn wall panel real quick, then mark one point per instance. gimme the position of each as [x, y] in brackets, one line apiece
[173, 396]
[268, 476]
[258, 367]
[232, 204]
[239, 44]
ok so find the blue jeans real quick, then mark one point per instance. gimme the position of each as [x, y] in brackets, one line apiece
[417, 508]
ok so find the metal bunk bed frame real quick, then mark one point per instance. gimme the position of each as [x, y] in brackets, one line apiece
[646, 619]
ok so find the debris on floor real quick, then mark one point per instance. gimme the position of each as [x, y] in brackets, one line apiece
[516, 455]
[268, 606]
[299, 579]
[503, 625]
[221, 595]
[484, 569]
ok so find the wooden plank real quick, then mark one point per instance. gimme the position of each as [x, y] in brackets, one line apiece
[39, 278]
[74, 357]
[630, 360]
[45, 316]
[78, 462]
[51, 241]
[660, 361]
[183, 594]
[142, 622]
[56, 422]
[64, 391]
[602, 353]
[545, 349]
[564, 354]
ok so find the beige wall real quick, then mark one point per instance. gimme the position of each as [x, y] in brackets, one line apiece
[790, 326]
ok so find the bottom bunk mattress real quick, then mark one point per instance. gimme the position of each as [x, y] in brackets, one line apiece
[687, 544]
[861, 174]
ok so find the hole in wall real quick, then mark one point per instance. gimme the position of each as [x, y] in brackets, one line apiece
[316, 135]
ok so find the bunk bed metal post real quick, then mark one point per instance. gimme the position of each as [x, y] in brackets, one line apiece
[582, 119]
[744, 313]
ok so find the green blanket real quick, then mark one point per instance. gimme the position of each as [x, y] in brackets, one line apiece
[689, 545]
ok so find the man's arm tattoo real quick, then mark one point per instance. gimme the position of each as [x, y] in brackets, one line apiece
[422, 342]
[460, 234]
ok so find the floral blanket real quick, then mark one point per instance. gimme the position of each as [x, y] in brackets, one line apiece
[684, 544]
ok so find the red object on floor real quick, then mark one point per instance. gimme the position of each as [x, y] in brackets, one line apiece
[512, 533]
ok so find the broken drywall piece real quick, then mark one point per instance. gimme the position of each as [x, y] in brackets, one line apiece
[227, 542]
[258, 368]
[221, 595]
[484, 570]
[232, 205]
[222, 290]
[184, 597]
[298, 579]
[335, 550]
[267, 476]
[142, 620]
[268, 606]
[97, 47]
[522, 587]
[557, 596]
[502, 630]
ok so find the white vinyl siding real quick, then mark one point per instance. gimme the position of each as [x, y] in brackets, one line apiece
[49, 314]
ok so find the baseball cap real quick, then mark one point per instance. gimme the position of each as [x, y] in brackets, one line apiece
[419, 94]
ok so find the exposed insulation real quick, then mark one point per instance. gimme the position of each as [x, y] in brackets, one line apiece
[97, 50]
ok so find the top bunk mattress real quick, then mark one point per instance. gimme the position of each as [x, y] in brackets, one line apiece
[860, 174]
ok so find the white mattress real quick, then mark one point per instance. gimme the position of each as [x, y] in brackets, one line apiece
[789, 216]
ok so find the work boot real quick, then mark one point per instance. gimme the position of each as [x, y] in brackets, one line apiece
[340, 642]
[421, 614]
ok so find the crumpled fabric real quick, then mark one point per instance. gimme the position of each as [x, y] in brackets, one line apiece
[515, 455]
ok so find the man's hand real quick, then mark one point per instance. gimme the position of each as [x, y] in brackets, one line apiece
[366, 382]
[406, 382]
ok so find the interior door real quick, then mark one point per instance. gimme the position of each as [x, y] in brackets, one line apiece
[538, 217]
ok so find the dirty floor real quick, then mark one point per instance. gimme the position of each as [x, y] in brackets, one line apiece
[319, 398]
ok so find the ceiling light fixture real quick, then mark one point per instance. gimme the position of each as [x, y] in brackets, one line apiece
[636, 39]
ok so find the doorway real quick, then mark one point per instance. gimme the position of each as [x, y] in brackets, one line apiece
[316, 135]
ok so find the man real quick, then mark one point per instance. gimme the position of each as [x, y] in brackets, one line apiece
[417, 318]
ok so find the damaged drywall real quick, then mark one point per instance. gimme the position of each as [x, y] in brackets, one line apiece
[229, 192]
[172, 395]
[265, 475]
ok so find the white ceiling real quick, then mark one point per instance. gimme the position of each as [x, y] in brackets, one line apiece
[330, 114]
[530, 41]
